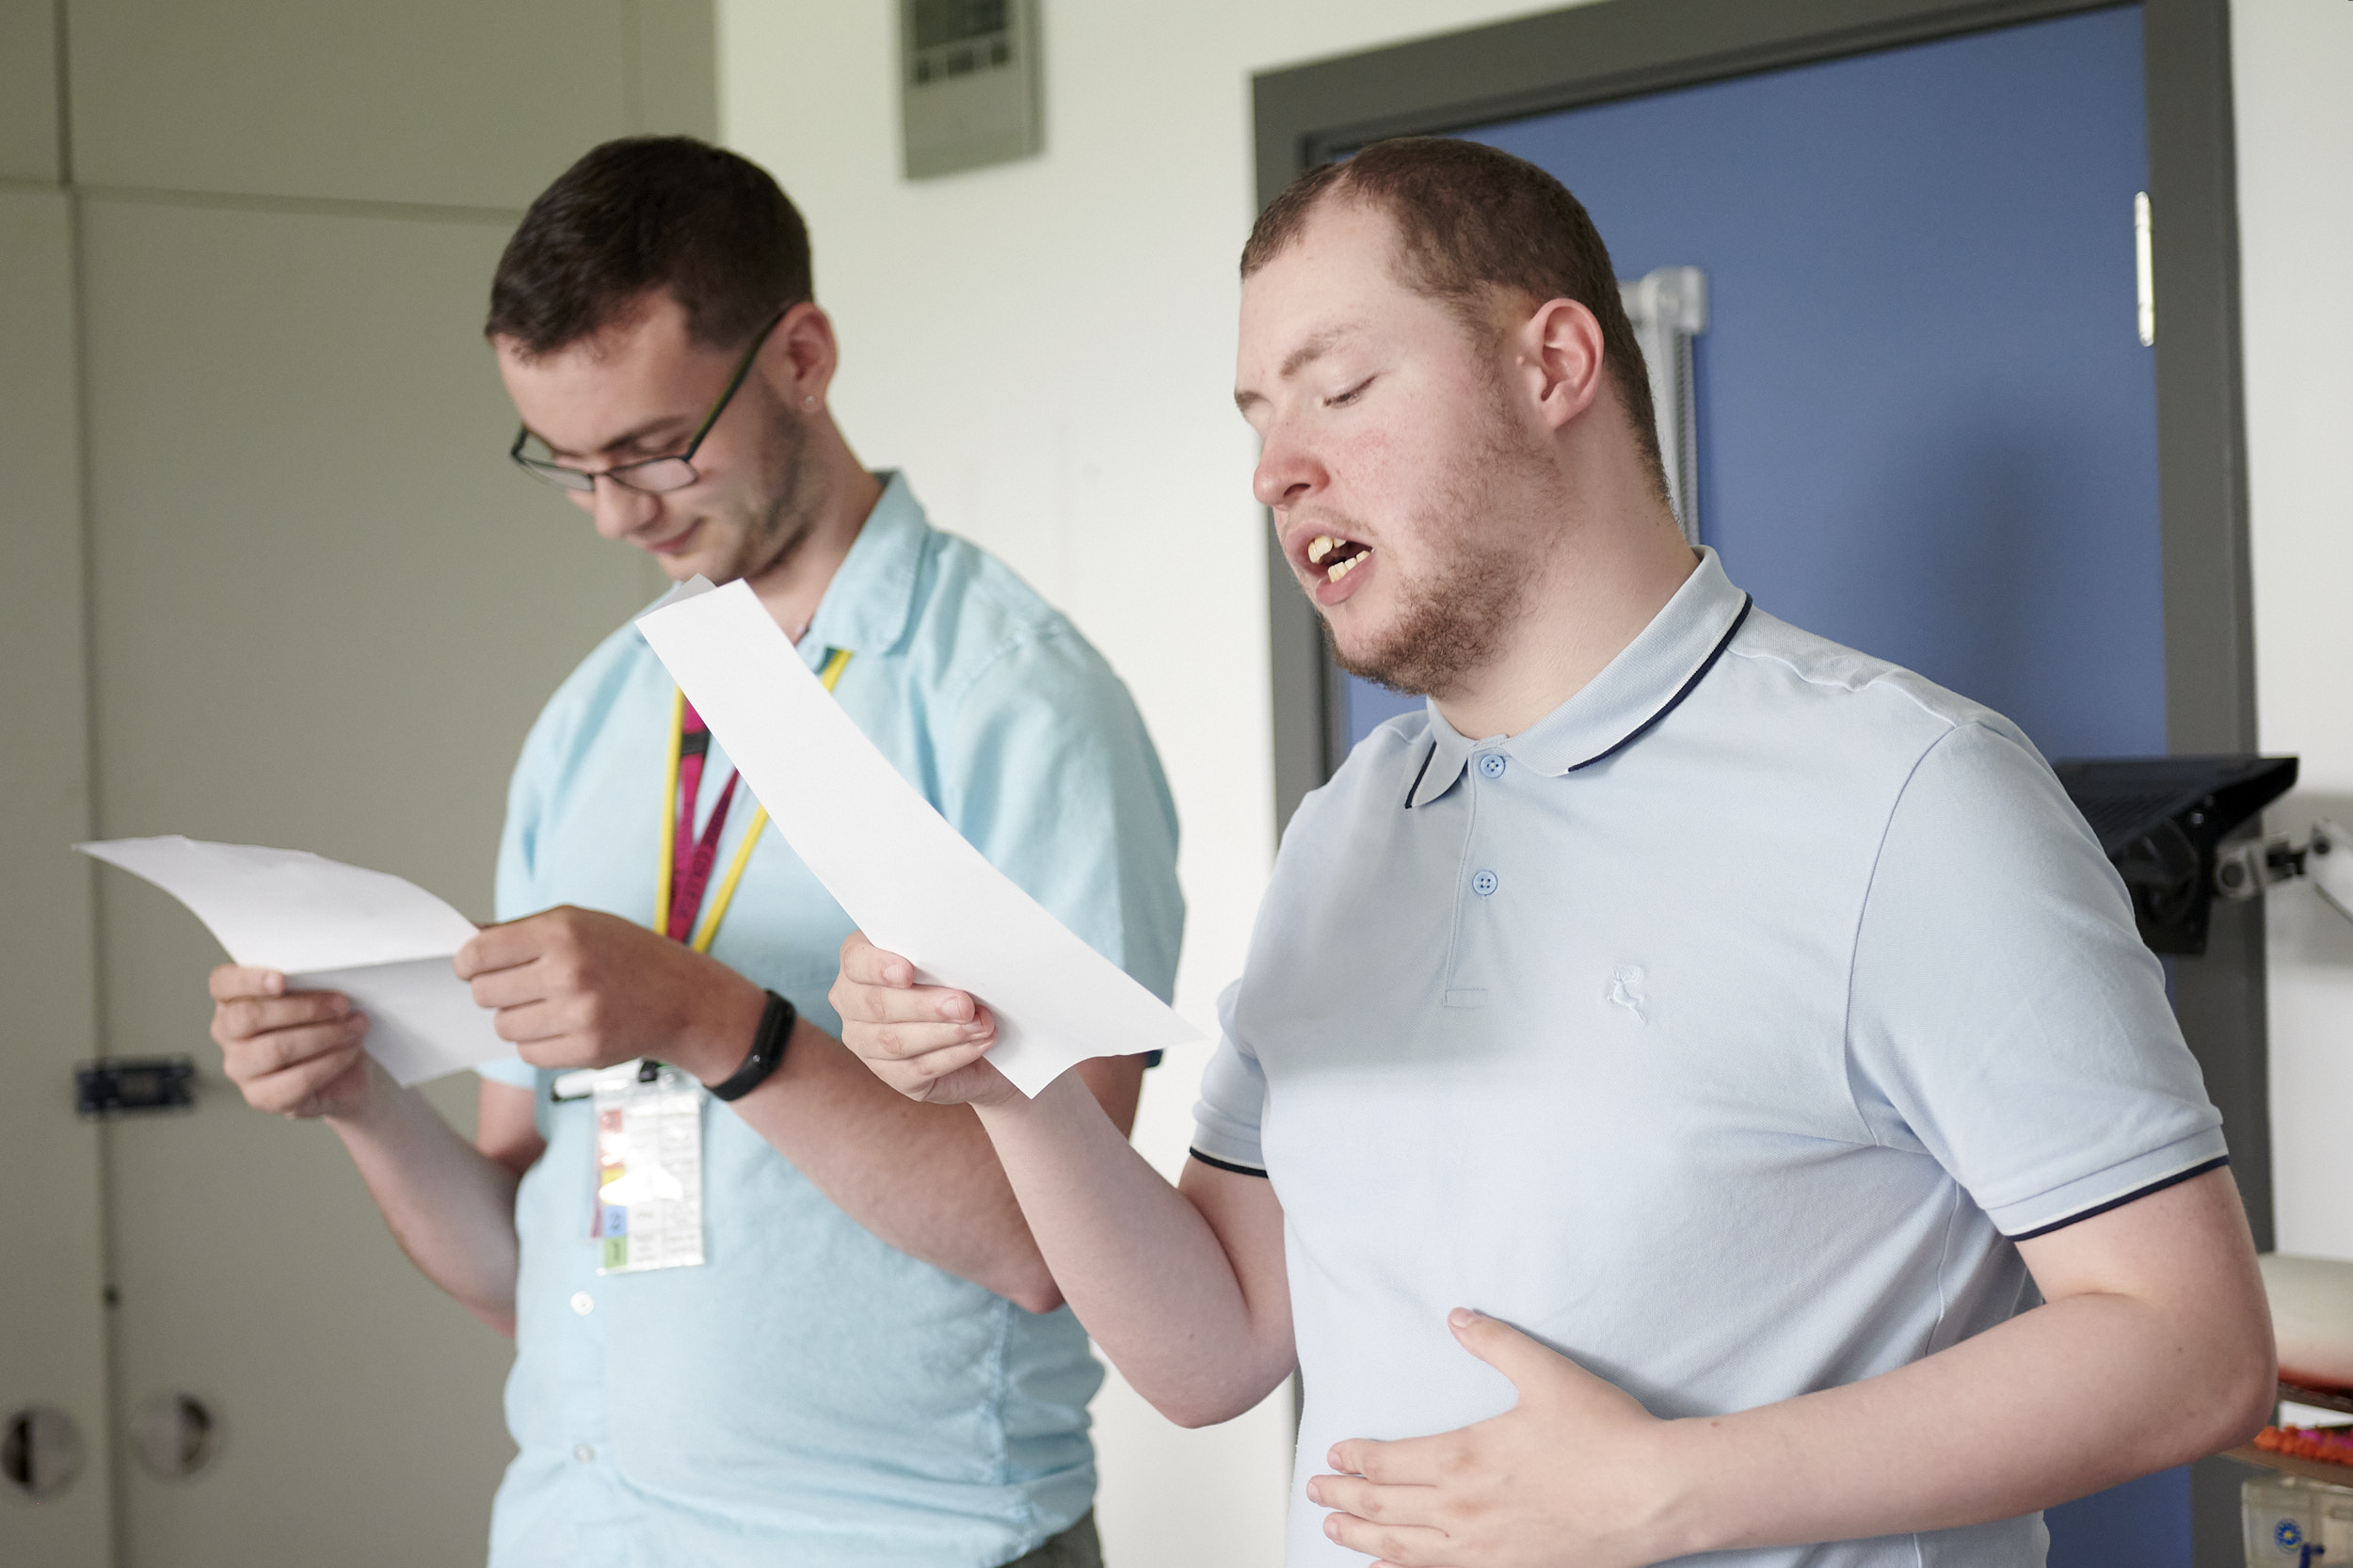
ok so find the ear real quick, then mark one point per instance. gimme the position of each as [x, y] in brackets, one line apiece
[1560, 351]
[799, 358]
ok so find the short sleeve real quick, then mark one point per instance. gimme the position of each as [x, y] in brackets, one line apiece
[2005, 1016]
[1045, 768]
[517, 893]
[1233, 1101]
[513, 1071]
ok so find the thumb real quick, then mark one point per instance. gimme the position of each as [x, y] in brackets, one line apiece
[1540, 1373]
[1526, 1363]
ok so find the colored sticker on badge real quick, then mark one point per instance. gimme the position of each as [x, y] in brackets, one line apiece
[648, 1212]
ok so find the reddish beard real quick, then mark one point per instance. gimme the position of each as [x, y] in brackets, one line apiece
[1451, 620]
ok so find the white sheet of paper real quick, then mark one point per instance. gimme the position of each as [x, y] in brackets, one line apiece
[908, 878]
[383, 942]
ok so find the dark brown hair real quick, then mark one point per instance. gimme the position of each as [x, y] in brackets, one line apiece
[1472, 224]
[651, 213]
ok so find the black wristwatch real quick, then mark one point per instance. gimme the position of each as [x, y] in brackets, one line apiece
[775, 1031]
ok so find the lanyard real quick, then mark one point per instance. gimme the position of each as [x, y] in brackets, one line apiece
[687, 856]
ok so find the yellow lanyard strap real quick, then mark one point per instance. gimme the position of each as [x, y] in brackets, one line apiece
[837, 659]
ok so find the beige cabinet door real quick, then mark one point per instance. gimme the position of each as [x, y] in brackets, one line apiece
[323, 610]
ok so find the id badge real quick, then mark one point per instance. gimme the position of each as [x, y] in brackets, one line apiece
[649, 1169]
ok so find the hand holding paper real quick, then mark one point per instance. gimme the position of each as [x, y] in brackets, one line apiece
[383, 942]
[903, 873]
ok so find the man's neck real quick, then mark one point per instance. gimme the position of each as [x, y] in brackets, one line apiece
[793, 585]
[1595, 597]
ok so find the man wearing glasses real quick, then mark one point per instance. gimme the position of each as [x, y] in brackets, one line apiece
[854, 1353]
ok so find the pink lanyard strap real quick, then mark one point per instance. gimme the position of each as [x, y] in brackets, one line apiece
[692, 855]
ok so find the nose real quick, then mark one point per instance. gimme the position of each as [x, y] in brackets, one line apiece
[1288, 472]
[619, 511]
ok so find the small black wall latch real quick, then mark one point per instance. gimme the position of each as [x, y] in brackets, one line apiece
[135, 1085]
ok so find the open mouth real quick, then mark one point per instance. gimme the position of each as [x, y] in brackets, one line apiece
[1336, 557]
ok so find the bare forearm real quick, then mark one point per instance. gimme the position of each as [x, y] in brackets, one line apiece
[450, 1207]
[921, 1177]
[2062, 1400]
[1140, 1265]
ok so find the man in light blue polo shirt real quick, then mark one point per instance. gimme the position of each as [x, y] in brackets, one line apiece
[1667, 1068]
[854, 1356]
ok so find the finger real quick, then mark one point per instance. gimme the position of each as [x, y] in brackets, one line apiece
[916, 1078]
[1373, 1503]
[910, 1042]
[865, 964]
[260, 1055]
[511, 987]
[878, 1004]
[229, 981]
[1406, 1545]
[531, 1023]
[1527, 1362]
[294, 1091]
[246, 1017]
[1408, 1461]
[503, 947]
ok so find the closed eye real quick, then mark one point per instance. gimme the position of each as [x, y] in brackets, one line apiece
[1350, 395]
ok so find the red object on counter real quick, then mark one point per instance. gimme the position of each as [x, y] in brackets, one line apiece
[2331, 1445]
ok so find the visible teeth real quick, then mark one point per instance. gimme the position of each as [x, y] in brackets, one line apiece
[1320, 547]
[1341, 569]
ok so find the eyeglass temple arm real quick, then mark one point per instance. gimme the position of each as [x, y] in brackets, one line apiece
[735, 382]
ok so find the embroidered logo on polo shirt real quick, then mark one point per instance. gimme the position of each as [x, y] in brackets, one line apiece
[1625, 990]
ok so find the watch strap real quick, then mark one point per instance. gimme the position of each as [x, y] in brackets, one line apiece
[767, 1053]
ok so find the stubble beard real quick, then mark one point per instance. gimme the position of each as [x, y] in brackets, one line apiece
[1452, 621]
[787, 515]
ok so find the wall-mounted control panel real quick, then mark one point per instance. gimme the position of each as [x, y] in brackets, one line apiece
[970, 90]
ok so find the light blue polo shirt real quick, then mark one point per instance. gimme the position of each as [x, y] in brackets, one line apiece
[811, 1395]
[1724, 1031]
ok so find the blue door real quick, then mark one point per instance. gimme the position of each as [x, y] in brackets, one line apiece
[1926, 423]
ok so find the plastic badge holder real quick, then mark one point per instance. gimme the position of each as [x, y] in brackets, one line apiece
[2292, 1523]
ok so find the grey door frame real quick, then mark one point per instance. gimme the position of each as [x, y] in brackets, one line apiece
[1618, 49]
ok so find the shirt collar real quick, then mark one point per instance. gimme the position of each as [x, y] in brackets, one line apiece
[1633, 692]
[870, 600]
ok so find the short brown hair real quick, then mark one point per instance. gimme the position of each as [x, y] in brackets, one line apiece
[1471, 223]
[651, 213]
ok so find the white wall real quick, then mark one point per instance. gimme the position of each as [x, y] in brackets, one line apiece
[1048, 349]
[2294, 63]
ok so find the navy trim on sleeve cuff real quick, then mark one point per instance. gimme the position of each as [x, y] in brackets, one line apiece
[2157, 1185]
[1226, 1165]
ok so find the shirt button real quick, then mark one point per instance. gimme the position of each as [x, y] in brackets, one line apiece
[1485, 882]
[584, 1454]
[582, 1302]
[1492, 765]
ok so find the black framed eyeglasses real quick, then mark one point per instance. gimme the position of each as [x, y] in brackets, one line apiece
[652, 476]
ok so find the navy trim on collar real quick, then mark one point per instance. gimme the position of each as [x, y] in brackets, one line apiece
[1418, 773]
[1649, 678]
[1747, 603]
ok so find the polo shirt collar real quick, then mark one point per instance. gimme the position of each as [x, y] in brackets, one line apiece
[870, 600]
[1633, 692]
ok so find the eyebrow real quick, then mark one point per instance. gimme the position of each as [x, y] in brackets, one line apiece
[1318, 344]
[641, 434]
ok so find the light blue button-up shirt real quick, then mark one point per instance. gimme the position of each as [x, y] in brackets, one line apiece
[1724, 1029]
[811, 1395]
